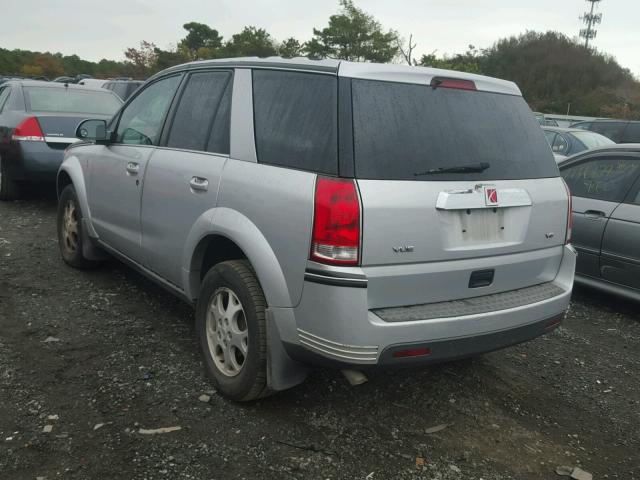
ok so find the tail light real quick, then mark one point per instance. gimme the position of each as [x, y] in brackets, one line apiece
[336, 222]
[458, 83]
[28, 130]
[569, 214]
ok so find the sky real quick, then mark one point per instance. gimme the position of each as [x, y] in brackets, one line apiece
[95, 30]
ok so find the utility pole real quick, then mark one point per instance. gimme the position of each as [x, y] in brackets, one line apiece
[590, 20]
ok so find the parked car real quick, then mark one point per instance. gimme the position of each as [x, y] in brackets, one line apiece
[542, 120]
[620, 131]
[605, 184]
[38, 120]
[93, 82]
[329, 213]
[123, 88]
[569, 141]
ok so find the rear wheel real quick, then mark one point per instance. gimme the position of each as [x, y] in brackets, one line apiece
[69, 224]
[9, 189]
[230, 321]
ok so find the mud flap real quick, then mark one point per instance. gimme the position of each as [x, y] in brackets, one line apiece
[282, 371]
[89, 250]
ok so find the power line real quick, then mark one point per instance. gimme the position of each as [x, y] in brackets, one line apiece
[590, 19]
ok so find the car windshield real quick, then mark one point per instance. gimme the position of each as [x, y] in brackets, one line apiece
[402, 130]
[592, 139]
[70, 100]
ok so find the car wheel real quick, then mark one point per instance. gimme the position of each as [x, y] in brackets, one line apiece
[230, 322]
[70, 230]
[9, 189]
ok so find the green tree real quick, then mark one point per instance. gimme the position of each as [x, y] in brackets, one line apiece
[353, 35]
[201, 41]
[251, 41]
[290, 48]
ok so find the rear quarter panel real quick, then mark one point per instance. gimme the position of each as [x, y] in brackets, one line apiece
[279, 202]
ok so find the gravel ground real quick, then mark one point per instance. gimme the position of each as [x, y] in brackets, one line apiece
[95, 356]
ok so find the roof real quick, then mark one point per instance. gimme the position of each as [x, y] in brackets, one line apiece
[363, 70]
[566, 129]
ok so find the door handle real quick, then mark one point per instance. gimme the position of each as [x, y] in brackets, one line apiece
[594, 214]
[132, 168]
[199, 183]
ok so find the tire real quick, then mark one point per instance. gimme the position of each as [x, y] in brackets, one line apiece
[9, 190]
[69, 224]
[221, 327]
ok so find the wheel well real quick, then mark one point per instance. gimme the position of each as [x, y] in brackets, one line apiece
[63, 180]
[213, 250]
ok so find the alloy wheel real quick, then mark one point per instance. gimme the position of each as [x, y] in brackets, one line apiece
[227, 332]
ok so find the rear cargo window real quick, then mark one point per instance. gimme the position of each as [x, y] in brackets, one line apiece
[401, 130]
[296, 120]
[68, 100]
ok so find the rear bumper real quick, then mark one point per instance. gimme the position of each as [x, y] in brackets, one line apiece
[32, 161]
[333, 325]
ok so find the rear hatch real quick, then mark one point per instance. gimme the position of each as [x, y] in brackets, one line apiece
[461, 195]
[60, 109]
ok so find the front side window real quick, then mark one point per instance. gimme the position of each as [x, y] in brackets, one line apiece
[201, 121]
[141, 121]
[296, 120]
[602, 178]
[560, 145]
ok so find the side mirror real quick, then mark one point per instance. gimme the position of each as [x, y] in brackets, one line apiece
[93, 130]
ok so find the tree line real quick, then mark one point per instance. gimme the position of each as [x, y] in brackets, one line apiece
[554, 72]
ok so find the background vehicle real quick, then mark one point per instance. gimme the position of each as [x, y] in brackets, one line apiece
[38, 120]
[327, 212]
[620, 131]
[93, 82]
[605, 184]
[123, 88]
[569, 141]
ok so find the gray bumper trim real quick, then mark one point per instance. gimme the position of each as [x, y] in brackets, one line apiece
[471, 306]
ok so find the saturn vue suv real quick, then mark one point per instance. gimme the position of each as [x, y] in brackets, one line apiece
[327, 213]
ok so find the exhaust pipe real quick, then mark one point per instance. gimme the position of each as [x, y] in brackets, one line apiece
[354, 377]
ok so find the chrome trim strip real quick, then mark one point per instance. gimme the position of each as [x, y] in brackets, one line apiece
[335, 280]
[61, 139]
[338, 351]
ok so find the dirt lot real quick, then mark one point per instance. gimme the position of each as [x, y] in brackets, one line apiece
[99, 355]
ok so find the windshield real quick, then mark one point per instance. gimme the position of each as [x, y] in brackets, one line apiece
[70, 100]
[592, 139]
[402, 130]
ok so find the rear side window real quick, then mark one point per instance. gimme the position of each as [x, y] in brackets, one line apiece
[602, 178]
[631, 133]
[70, 100]
[4, 95]
[612, 130]
[296, 120]
[404, 130]
[201, 120]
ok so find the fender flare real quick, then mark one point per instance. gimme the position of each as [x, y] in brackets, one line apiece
[236, 227]
[71, 166]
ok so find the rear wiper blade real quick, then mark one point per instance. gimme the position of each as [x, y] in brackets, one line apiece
[473, 168]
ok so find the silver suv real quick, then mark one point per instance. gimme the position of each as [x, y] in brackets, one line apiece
[327, 213]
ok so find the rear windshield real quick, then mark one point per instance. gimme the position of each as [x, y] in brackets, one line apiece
[68, 100]
[592, 139]
[403, 130]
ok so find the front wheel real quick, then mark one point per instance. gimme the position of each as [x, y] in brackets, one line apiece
[230, 322]
[69, 224]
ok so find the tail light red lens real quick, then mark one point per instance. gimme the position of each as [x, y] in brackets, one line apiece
[412, 352]
[569, 214]
[336, 222]
[28, 130]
